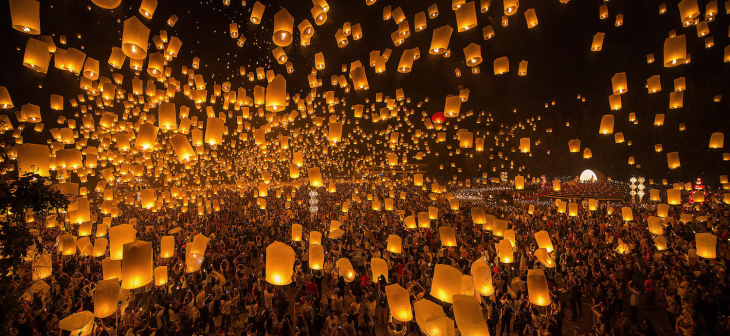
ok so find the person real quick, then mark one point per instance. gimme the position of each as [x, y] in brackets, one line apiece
[634, 302]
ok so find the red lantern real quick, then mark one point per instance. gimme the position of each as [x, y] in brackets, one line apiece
[438, 117]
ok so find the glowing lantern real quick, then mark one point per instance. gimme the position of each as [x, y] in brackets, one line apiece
[182, 148]
[394, 244]
[33, 158]
[42, 267]
[519, 182]
[544, 257]
[345, 270]
[597, 43]
[655, 225]
[482, 277]
[315, 238]
[257, 12]
[706, 245]
[111, 269]
[717, 140]
[167, 247]
[506, 253]
[106, 297]
[673, 160]
[469, 317]
[134, 39]
[120, 235]
[160, 274]
[25, 15]
[296, 232]
[501, 65]
[510, 6]
[316, 256]
[537, 288]
[446, 282]
[283, 27]
[531, 18]
[466, 17]
[675, 51]
[78, 324]
[448, 236]
[279, 263]
[136, 264]
[440, 40]
[399, 302]
[573, 209]
[37, 56]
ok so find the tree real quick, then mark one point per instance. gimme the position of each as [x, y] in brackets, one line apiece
[30, 193]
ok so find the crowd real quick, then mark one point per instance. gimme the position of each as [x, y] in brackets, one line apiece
[640, 292]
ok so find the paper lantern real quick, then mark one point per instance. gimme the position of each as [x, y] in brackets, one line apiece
[622, 248]
[319, 15]
[25, 16]
[135, 39]
[315, 177]
[432, 320]
[378, 267]
[510, 6]
[673, 160]
[448, 236]
[315, 237]
[597, 43]
[276, 94]
[423, 220]
[531, 18]
[120, 235]
[36, 55]
[688, 10]
[654, 195]
[78, 324]
[5, 101]
[675, 51]
[446, 282]
[182, 148]
[543, 240]
[214, 131]
[501, 65]
[506, 253]
[147, 8]
[452, 106]
[660, 243]
[345, 270]
[706, 245]
[466, 16]
[33, 158]
[296, 232]
[42, 267]
[469, 317]
[106, 297]
[167, 247]
[316, 256]
[573, 209]
[454, 204]
[561, 206]
[399, 303]
[627, 214]
[574, 146]
[676, 99]
[111, 269]
[674, 197]
[160, 275]
[537, 287]
[410, 222]
[544, 257]
[482, 276]
[136, 264]
[519, 182]
[524, 145]
[257, 12]
[717, 140]
[395, 244]
[149, 198]
[279, 263]
[440, 40]
[655, 225]
[146, 137]
[478, 216]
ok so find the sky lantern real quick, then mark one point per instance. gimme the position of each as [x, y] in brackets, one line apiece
[111, 269]
[167, 247]
[120, 235]
[395, 244]
[473, 54]
[319, 15]
[106, 297]
[531, 18]
[446, 282]
[25, 15]
[276, 94]
[655, 225]
[36, 55]
[399, 303]
[618, 83]
[147, 8]
[439, 117]
[146, 137]
[466, 17]
[316, 256]
[606, 124]
[717, 140]
[673, 160]
[440, 40]
[448, 236]
[506, 253]
[42, 267]
[537, 287]
[501, 65]
[135, 38]
[345, 269]
[136, 264]
[257, 12]
[675, 51]
[279, 264]
[574, 146]
[378, 268]
[525, 145]
[33, 158]
[510, 7]
[544, 257]
[519, 182]
[597, 43]
[674, 197]
[469, 317]
[706, 245]
[160, 275]
[482, 277]
[283, 28]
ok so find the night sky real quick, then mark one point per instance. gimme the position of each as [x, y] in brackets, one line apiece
[561, 67]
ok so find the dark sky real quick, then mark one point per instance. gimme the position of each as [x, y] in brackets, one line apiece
[561, 67]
